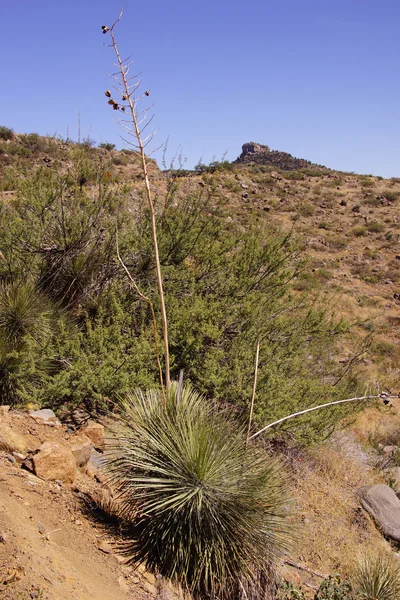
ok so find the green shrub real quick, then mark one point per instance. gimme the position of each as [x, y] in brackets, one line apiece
[215, 535]
[288, 591]
[107, 146]
[375, 227]
[335, 589]
[359, 231]
[6, 133]
[391, 195]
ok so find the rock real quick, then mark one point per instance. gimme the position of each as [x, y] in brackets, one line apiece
[10, 441]
[381, 502]
[54, 462]
[261, 154]
[95, 432]
[45, 413]
[389, 449]
[41, 528]
[81, 447]
[19, 457]
[4, 416]
[104, 546]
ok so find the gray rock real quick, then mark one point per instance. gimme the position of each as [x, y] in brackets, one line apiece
[44, 413]
[381, 502]
[81, 447]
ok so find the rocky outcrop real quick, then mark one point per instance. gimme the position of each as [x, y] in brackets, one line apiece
[263, 155]
[381, 502]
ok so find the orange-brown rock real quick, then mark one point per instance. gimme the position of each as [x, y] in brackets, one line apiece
[53, 462]
[95, 432]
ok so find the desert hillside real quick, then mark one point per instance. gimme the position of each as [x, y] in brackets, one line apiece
[270, 251]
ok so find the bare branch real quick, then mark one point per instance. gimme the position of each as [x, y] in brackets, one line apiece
[382, 396]
[146, 299]
[132, 103]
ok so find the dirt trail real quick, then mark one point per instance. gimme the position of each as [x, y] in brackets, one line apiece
[50, 546]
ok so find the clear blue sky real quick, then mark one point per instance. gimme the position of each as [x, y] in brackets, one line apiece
[319, 79]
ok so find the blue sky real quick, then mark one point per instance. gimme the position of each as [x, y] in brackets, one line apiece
[317, 79]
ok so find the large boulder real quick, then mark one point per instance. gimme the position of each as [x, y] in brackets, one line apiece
[54, 462]
[381, 502]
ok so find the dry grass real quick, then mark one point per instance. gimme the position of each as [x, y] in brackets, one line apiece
[335, 528]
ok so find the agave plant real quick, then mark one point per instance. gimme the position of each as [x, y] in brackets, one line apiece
[202, 509]
[378, 578]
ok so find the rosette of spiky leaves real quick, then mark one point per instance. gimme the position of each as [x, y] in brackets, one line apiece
[23, 312]
[202, 509]
[25, 326]
[378, 578]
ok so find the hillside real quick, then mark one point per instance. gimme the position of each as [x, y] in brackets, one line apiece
[230, 235]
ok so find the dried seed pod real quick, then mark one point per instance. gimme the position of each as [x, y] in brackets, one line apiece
[111, 101]
[124, 98]
[108, 94]
[147, 93]
[105, 28]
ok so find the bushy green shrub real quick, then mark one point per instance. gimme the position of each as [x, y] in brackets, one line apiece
[334, 588]
[107, 146]
[217, 535]
[6, 133]
[226, 284]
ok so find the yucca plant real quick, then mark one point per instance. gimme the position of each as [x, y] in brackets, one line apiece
[378, 578]
[24, 329]
[23, 312]
[203, 510]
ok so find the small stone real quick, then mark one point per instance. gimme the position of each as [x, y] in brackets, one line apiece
[3, 538]
[41, 528]
[45, 413]
[10, 458]
[104, 546]
[19, 457]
